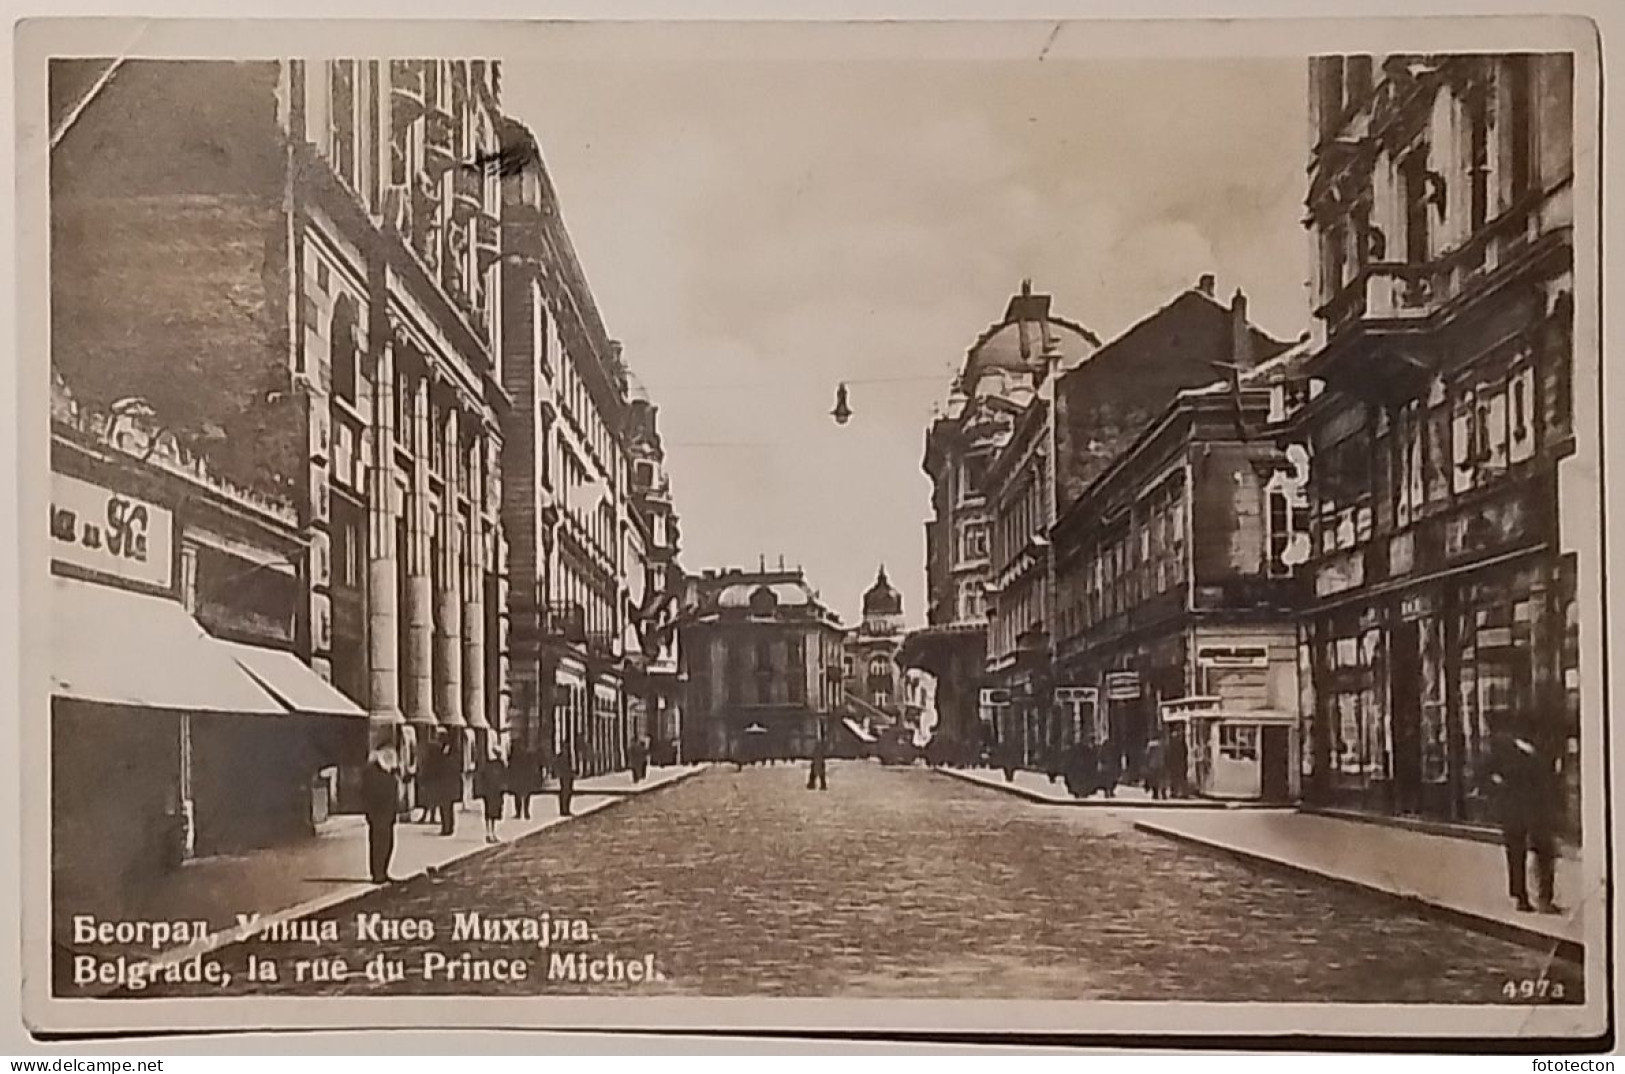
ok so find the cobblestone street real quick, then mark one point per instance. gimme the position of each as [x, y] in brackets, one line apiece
[897, 882]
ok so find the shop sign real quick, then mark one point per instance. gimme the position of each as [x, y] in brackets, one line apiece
[1076, 695]
[1122, 685]
[1246, 656]
[1417, 606]
[995, 698]
[106, 531]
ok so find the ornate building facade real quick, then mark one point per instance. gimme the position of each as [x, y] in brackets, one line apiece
[763, 659]
[326, 329]
[1439, 415]
[873, 676]
[568, 508]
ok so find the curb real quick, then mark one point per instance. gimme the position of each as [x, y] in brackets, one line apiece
[1094, 803]
[1523, 936]
[229, 937]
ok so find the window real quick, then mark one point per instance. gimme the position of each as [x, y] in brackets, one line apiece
[1478, 148]
[1414, 182]
[345, 348]
[972, 604]
[343, 126]
[1330, 72]
[1238, 743]
[1356, 78]
[972, 542]
[1520, 125]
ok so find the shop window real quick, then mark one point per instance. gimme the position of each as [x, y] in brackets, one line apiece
[1238, 743]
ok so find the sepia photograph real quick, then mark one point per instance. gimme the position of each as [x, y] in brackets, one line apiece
[1032, 526]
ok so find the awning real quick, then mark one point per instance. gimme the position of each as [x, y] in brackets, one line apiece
[857, 729]
[122, 648]
[292, 681]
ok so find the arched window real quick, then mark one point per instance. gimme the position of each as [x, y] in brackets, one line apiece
[345, 348]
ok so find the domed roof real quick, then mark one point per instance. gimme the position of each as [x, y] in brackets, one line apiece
[1017, 343]
[788, 594]
[882, 599]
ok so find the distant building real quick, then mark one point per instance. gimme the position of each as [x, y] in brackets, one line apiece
[873, 677]
[654, 613]
[763, 659]
[1439, 415]
[999, 379]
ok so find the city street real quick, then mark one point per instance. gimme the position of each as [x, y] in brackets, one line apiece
[896, 882]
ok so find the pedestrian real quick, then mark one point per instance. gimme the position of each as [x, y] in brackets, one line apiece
[1178, 759]
[491, 787]
[380, 798]
[817, 773]
[446, 783]
[1111, 767]
[564, 770]
[1009, 760]
[637, 755]
[1156, 768]
[524, 777]
[1526, 779]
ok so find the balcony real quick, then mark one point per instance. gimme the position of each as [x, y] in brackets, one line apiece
[468, 193]
[565, 622]
[406, 91]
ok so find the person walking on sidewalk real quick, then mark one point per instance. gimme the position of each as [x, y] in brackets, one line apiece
[817, 773]
[1178, 757]
[524, 779]
[564, 770]
[380, 798]
[1156, 768]
[447, 781]
[637, 758]
[1526, 779]
[491, 787]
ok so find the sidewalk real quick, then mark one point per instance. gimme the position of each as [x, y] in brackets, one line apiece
[1463, 880]
[299, 879]
[1036, 787]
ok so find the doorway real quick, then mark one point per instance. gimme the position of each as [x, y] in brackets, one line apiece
[1275, 759]
[1405, 691]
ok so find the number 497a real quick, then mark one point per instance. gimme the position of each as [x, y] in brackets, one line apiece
[1533, 988]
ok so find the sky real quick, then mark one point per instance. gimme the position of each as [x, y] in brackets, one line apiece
[757, 232]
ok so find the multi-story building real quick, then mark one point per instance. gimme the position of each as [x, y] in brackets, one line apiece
[999, 380]
[567, 506]
[874, 680]
[1085, 415]
[324, 328]
[1176, 580]
[184, 720]
[1439, 416]
[655, 612]
[763, 659]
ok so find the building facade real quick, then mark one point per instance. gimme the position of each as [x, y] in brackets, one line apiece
[655, 612]
[185, 720]
[763, 658]
[326, 331]
[1177, 582]
[873, 675]
[1439, 416]
[999, 380]
[567, 507]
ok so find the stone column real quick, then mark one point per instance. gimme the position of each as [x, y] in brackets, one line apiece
[448, 620]
[419, 609]
[473, 609]
[383, 611]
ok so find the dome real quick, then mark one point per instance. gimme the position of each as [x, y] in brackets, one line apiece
[1014, 347]
[882, 599]
[783, 594]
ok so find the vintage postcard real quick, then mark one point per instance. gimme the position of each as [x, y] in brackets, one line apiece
[915, 527]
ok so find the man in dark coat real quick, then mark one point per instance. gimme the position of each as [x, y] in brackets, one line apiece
[564, 770]
[817, 774]
[1527, 785]
[448, 782]
[380, 798]
[1178, 782]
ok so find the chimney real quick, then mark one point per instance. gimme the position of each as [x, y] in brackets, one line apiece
[1205, 284]
[1241, 334]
